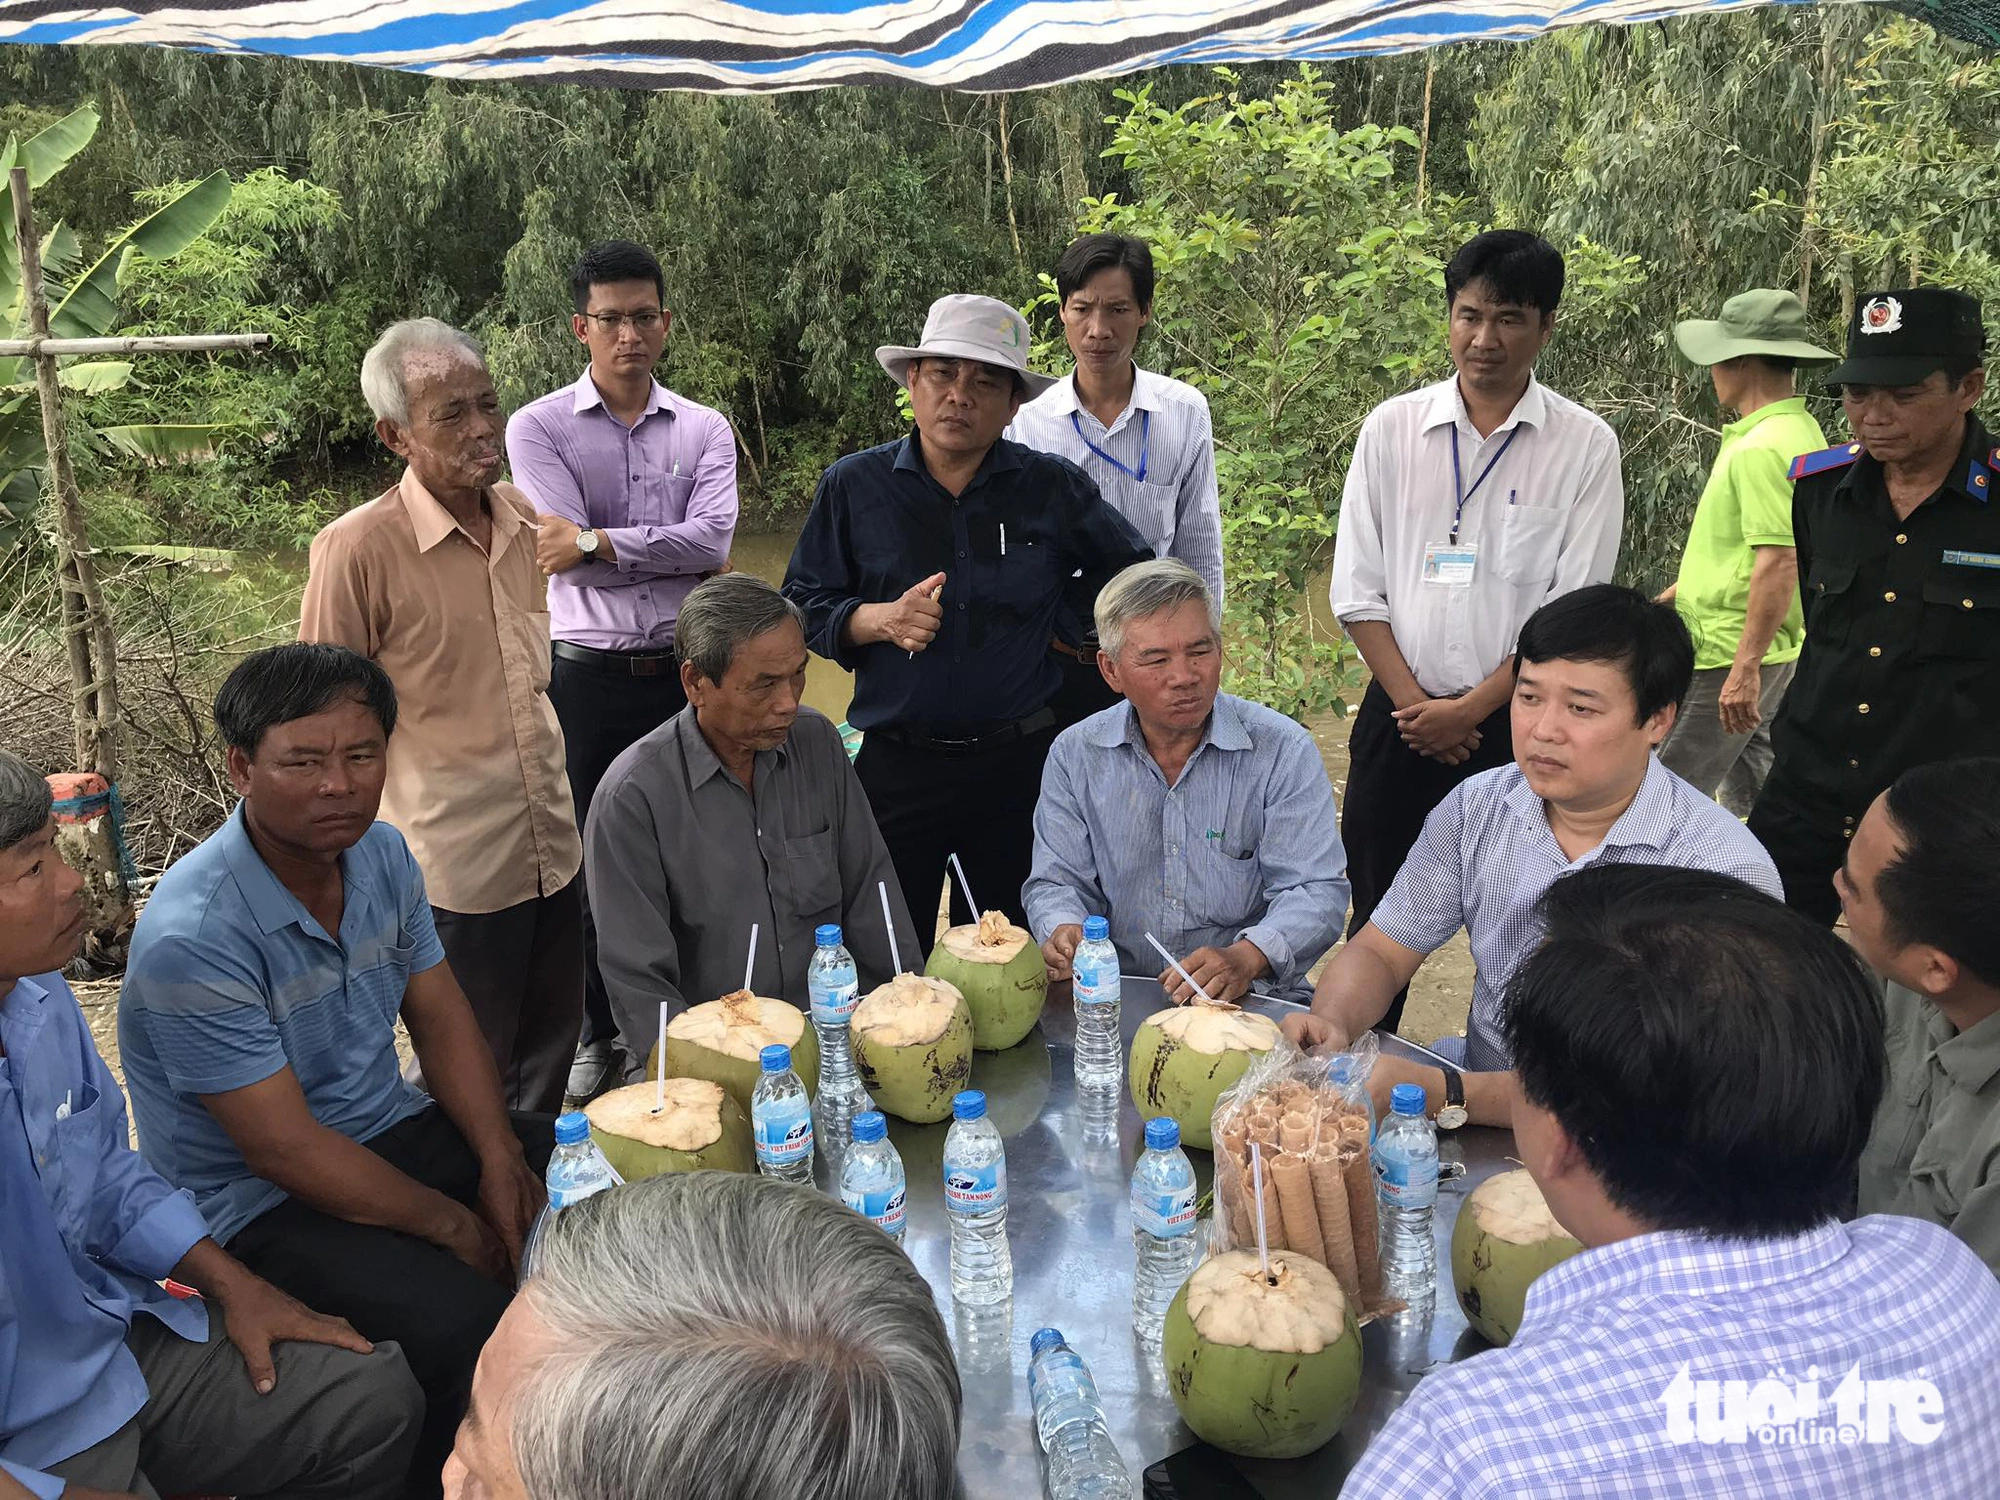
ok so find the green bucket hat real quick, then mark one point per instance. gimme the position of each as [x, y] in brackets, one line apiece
[1762, 321]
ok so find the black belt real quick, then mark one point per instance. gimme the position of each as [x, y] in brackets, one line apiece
[992, 739]
[626, 663]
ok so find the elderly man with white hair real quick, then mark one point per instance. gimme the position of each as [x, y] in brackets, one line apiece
[436, 580]
[791, 1352]
[1201, 818]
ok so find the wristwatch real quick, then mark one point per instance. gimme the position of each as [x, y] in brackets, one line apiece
[1453, 1114]
[586, 542]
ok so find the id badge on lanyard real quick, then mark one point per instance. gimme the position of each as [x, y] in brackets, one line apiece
[1453, 563]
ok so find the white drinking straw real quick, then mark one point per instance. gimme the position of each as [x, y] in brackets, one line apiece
[1257, 1181]
[965, 886]
[660, 1083]
[889, 922]
[1205, 999]
[750, 963]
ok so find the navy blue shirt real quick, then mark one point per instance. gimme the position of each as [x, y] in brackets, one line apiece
[1009, 548]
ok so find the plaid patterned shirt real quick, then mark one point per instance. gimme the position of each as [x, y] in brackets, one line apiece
[1606, 1391]
[1487, 854]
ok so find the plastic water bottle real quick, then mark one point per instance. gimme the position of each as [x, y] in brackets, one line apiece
[1163, 1223]
[1070, 1424]
[781, 1118]
[871, 1175]
[1100, 1055]
[577, 1169]
[834, 990]
[975, 1201]
[1406, 1182]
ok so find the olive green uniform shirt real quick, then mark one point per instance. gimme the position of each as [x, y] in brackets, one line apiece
[1934, 1151]
[1746, 504]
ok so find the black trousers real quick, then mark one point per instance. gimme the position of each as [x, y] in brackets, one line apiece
[602, 713]
[1083, 691]
[981, 806]
[1804, 835]
[522, 970]
[1391, 789]
[392, 1285]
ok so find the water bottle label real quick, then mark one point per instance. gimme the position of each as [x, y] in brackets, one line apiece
[1164, 1215]
[884, 1207]
[1096, 984]
[833, 1007]
[976, 1190]
[784, 1133]
[1403, 1183]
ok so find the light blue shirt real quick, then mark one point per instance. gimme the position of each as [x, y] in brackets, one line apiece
[231, 980]
[1487, 854]
[1617, 1384]
[86, 1230]
[1245, 845]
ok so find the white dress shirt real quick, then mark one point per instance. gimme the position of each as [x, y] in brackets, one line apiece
[1175, 507]
[1544, 521]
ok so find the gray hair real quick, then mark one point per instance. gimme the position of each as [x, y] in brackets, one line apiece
[1147, 588]
[723, 613]
[737, 1338]
[382, 367]
[25, 800]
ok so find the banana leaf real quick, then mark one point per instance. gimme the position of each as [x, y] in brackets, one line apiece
[44, 155]
[90, 310]
[167, 442]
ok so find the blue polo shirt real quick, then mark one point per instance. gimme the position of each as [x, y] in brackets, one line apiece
[231, 980]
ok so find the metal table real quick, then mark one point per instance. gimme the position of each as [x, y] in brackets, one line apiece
[1069, 1227]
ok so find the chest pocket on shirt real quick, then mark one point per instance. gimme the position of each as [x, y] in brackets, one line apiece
[1961, 616]
[1151, 508]
[1013, 587]
[78, 1140]
[524, 635]
[1828, 584]
[814, 867]
[1225, 884]
[1529, 542]
[662, 499]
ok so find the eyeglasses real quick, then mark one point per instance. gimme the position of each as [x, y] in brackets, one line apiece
[982, 380]
[644, 322]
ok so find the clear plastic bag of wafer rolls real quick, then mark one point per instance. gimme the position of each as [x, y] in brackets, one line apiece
[1311, 1120]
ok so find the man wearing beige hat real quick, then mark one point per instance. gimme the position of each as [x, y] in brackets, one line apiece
[932, 568]
[1738, 588]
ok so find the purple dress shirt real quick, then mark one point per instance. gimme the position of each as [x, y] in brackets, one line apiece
[662, 490]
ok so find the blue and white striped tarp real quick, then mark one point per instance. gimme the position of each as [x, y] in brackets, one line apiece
[760, 45]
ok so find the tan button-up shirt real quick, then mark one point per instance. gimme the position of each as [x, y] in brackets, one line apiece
[1934, 1150]
[476, 780]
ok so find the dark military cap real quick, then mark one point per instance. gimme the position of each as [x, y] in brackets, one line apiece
[1900, 337]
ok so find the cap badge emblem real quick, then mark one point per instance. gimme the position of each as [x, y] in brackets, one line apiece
[1881, 315]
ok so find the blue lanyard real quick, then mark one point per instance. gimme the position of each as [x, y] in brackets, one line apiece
[1145, 443]
[1458, 489]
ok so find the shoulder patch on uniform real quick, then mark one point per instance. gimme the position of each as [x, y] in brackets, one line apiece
[1979, 479]
[1824, 459]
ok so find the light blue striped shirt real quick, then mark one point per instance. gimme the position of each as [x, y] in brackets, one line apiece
[1245, 845]
[1614, 1388]
[1165, 430]
[1487, 854]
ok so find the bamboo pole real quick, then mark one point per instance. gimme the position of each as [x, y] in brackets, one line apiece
[93, 655]
[171, 343]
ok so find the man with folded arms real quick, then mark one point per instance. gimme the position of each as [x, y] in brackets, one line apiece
[636, 492]
[1201, 818]
[1698, 1066]
[110, 1386]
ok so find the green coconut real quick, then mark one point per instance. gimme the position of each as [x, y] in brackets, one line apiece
[1186, 1057]
[913, 1044]
[1263, 1366]
[1505, 1237]
[999, 969]
[724, 1041]
[697, 1128]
